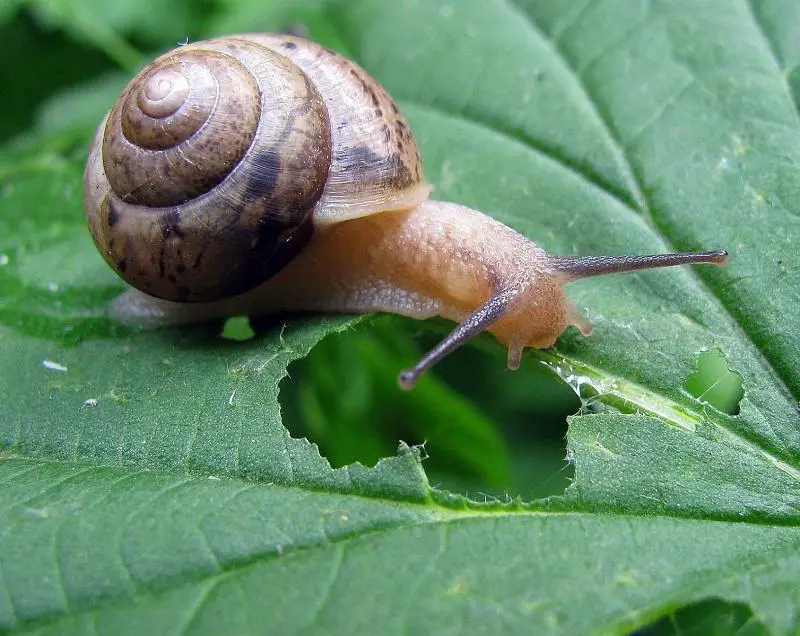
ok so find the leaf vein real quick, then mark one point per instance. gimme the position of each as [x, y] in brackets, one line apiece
[327, 591]
[126, 527]
[601, 118]
[11, 602]
[412, 588]
[202, 598]
[699, 583]
[447, 523]
[605, 120]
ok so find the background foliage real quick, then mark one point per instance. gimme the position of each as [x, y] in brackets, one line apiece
[151, 478]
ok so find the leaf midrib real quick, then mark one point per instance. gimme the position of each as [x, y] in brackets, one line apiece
[445, 520]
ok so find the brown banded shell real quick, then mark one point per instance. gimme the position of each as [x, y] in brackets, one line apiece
[211, 170]
[376, 164]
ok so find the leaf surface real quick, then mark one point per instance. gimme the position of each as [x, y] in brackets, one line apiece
[148, 478]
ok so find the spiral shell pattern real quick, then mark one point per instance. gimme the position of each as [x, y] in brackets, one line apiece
[203, 178]
[220, 158]
[181, 128]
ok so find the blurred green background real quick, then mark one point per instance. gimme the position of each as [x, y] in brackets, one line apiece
[487, 431]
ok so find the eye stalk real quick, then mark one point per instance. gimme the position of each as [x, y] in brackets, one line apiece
[574, 267]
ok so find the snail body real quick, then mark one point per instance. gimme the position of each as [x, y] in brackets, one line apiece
[261, 173]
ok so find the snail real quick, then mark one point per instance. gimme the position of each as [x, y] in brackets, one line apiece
[263, 173]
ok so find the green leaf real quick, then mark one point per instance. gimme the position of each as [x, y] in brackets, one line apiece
[88, 25]
[105, 24]
[35, 64]
[149, 481]
[9, 9]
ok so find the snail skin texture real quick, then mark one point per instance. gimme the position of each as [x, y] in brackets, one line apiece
[258, 173]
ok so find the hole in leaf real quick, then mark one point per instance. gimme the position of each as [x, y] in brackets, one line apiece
[487, 430]
[708, 618]
[715, 384]
[237, 328]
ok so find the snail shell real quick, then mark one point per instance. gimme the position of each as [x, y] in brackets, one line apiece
[221, 158]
